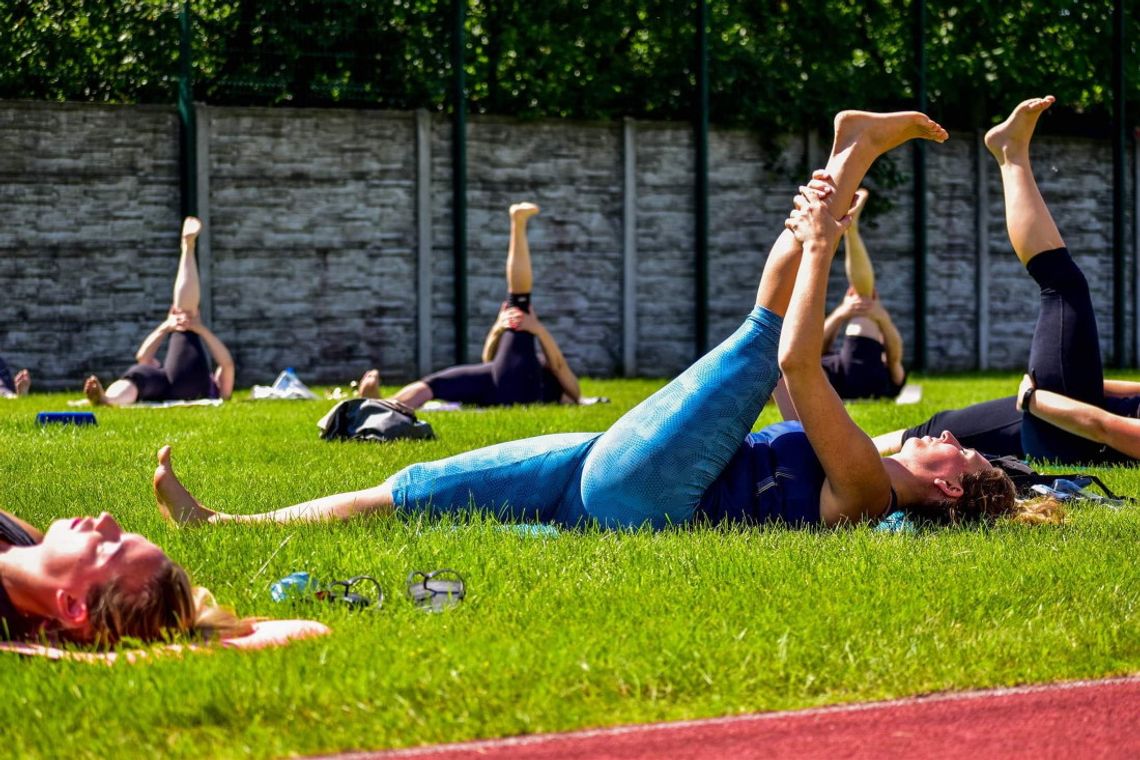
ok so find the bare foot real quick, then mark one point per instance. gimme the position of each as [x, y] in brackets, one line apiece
[93, 390]
[23, 381]
[520, 212]
[861, 196]
[369, 385]
[191, 226]
[174, 501]
[880, 132]
[1010, 139]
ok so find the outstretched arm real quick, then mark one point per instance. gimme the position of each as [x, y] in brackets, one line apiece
[1085, 420]
[224, 374]
[856, 485]
[556, 362]
[833, 324]
[491, 343]
[1121, 388]
[892, 340]
[148, 350]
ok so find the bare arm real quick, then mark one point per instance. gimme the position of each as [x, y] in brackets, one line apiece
[784, 401]
[892, 342]
[148, 350]
[1085, 420]
[1121, 388]
[857, 484]
[224, 374]
[832, 325]
[556, 363]
[491, 343]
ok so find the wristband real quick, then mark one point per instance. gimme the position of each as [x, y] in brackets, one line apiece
[1026, 398]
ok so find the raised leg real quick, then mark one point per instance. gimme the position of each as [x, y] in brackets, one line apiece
[180, 507]
[187, 290]
[1031, 226]
[656, 462]
[520, 280]
[856, 261]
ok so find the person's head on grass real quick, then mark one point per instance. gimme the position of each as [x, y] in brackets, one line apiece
[89, 582]
[955, 485]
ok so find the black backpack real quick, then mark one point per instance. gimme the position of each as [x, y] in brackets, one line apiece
[1025, 477]
[370, 419]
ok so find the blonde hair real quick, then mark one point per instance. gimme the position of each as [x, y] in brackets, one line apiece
[166, 606]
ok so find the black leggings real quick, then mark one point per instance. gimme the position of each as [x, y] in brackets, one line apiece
[183, 376]
[1064, 357]
[515, 376]
[857, 369]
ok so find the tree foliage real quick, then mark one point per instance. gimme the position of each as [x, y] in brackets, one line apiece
[774, 64]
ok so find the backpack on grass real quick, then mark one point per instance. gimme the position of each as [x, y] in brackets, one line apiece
[370, 419]
[1025, 477]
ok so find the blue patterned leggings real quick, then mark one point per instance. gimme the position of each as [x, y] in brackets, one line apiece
[652, 466]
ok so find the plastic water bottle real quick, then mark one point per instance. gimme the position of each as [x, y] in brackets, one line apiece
[286, 380]
[293, 587]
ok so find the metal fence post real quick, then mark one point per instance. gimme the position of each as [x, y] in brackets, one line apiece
[459, 177]
[701, 185]
[187, 139]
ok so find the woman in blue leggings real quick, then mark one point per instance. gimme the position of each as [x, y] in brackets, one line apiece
[685, 453]
[1065, 409]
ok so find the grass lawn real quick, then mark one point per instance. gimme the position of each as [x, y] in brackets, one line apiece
[578, 630]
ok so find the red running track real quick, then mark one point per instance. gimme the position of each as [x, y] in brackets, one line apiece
[1083, 719]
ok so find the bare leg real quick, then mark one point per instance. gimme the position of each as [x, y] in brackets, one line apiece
[414, 394]
[860, 138]
[519, 277]
[187, 291]
[856, 262]
[181, 508]
[864, 328]
[1031, 226]
[121, 392]
[23, 382]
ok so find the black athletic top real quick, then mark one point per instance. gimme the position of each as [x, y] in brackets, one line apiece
[13, 625]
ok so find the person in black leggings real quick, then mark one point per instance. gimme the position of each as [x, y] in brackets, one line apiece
[511, 371]
[185, 373]
[868, 363]
[1065, 410]
[13, 386]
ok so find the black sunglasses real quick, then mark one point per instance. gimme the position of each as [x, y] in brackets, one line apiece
[437, 590]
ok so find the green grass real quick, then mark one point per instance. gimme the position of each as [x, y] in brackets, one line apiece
[586, 629]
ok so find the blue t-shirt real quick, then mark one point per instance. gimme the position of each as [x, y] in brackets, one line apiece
[774, 476]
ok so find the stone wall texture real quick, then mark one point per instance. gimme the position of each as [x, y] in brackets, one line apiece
[313, 237]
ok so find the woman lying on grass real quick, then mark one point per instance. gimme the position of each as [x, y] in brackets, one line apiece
[677, 457]
[1065, 410]
[11, 387]
[185, 374]
[511, 371]
[868, 363]
[88, 582]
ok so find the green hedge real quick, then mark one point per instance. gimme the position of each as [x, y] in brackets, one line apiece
[774, 65]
